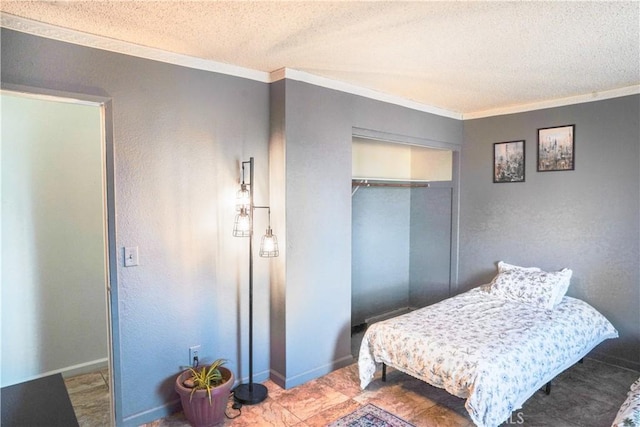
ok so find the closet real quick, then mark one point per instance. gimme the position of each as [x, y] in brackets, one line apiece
[401, 228]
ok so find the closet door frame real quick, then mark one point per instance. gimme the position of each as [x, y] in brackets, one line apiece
[455, 148]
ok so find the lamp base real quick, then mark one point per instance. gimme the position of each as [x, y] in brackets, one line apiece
[250, 394]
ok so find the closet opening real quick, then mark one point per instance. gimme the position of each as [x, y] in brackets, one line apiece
[402, 207]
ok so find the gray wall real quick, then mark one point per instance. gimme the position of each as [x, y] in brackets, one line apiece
[179, 136]
[586, 219]
[313, 136]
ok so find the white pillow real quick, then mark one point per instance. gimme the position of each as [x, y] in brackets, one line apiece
[559, 291]
[531, 285]
[562, 286]
[503, 266]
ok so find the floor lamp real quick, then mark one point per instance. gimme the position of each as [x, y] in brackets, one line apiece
[251, 393]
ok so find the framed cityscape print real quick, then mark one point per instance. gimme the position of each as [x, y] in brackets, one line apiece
[508, 161]
[556, 148]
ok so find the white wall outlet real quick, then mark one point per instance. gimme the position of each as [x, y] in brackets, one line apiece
[131, 256]
[194, 355]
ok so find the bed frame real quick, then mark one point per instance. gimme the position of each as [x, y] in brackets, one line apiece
[547, 387]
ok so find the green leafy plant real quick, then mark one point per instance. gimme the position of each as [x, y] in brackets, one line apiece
[205, 378]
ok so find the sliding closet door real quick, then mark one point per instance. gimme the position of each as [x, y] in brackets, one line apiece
[430, 255]
[380, 251]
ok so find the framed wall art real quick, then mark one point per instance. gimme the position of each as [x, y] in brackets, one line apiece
[556, 148]
[508, 161]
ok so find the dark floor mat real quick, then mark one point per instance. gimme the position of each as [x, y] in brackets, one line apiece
[39, 402]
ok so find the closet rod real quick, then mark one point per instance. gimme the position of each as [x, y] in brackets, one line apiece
[388, 184]
[357, 183]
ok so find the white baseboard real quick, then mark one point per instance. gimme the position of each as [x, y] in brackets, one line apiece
[387, 315]
[83, 368]
[292, 381]
[69, 371]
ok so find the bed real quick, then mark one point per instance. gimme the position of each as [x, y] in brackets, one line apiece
[629, 413]
[494, 345]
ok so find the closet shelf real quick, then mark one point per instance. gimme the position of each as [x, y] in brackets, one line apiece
[380, 183]
[357, 183]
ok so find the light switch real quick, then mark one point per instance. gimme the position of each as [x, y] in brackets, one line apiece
[131, 256]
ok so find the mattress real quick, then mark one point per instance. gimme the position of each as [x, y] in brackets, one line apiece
[493, 352]
[629, 412]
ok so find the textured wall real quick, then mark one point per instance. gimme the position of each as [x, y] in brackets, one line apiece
[586, 219]
[315, 281]
[53, 262]
[179, 136]
[316, 131]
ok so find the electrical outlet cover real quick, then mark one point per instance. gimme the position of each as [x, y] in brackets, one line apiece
[194, 351]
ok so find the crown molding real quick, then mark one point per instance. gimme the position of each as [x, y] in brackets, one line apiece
[560, 102]
[104, 43]
[54, 32]
[303, 76]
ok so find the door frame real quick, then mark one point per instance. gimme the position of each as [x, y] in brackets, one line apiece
[108, 175]
[455, 148]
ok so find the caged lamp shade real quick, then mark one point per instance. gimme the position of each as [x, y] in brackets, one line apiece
[269, 245]
[243, 199]
[242, 224]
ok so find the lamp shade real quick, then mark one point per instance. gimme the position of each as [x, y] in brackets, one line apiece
[243, 198]
[269, 245]
[242, 224]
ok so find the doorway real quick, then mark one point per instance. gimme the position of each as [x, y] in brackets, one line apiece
[56, 237]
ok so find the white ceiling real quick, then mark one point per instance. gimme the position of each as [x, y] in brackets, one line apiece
[465, 57]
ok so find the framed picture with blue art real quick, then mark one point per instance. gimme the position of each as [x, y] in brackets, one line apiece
[508, 161]
[556, 148]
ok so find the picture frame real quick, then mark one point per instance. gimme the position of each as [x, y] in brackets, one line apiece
[509, 161]
[556, 148]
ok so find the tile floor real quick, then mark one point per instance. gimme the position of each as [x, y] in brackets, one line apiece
[586, 395]
[89, 394]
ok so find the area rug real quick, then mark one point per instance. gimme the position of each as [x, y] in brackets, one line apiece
[43, 402]
[370, 416]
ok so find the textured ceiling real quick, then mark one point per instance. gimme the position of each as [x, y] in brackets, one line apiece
[463, 56]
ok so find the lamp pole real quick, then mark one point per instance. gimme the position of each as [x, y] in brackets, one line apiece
[250, 394]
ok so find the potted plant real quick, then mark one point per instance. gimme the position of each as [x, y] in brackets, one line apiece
[204, 393]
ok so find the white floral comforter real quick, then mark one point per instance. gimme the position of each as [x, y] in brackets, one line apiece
[493, 352]
[629, 413]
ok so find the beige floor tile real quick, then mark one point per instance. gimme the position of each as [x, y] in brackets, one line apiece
[345, 380]
[587, 395]
[267, 413]
[310, 399]
[89, 395]
[332, 414]
[80, 383]
[402, 404]
[439, 416]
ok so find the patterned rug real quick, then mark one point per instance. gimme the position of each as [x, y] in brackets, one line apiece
[370, 416]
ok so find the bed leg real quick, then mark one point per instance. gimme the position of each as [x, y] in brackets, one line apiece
[384, 372]
[547, 388]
